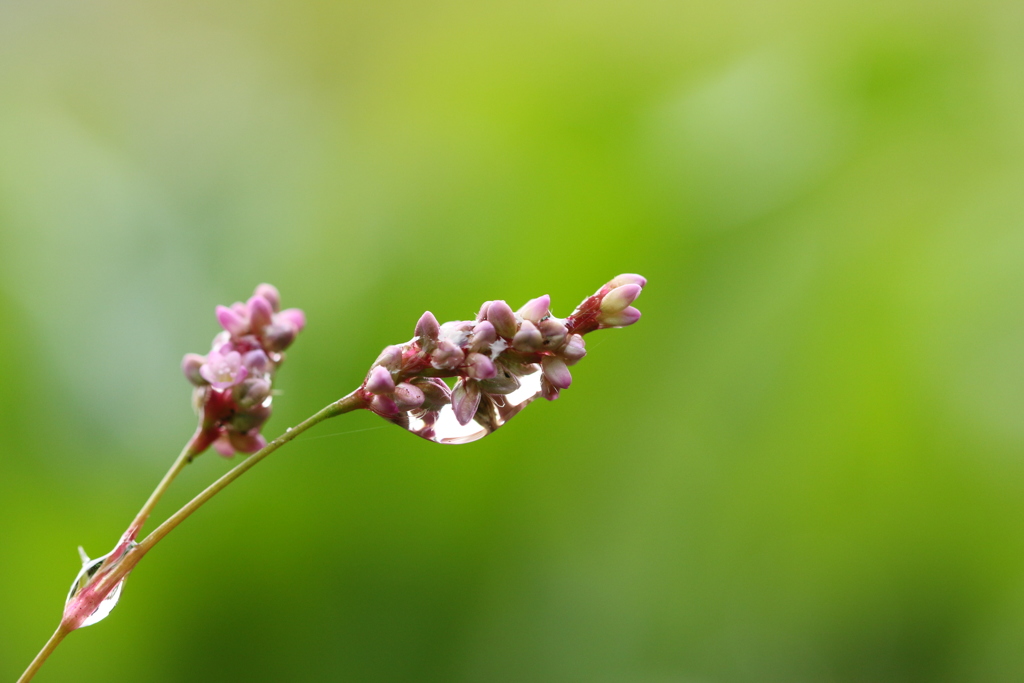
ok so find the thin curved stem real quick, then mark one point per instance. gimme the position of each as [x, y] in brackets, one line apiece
[50, 646]
[345, 405]
[183, 459]
[106, 581]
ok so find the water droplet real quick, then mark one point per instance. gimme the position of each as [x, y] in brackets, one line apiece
[89, 569]
[441, 426]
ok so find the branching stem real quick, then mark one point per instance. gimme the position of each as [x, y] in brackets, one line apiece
[106, 581]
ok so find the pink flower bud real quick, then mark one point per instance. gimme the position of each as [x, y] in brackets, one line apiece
[482, 313]
[465, 400]
[223, 446]
[379, 381]
[620, 297]
[556, 372]
[436, 393]
[270, 293]
[190, 366]
[231, 321]
[427, 328]
[528, 339]
[383, 405]
[628, 279]
[247, 442]
[277, 337]
[479, 366]
[575, 349]
[249, 419]
[535, 309]
[408, 396]
[251, 392]
[447, 356]
[547, 390]
[292, 316]
[260, 313]
[553, 332]
[256, 361]
[626, 317]
[504, 320]
[483, 336]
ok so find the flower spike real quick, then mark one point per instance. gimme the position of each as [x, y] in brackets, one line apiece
[501, 362]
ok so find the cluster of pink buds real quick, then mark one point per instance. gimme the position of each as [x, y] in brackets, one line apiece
[502, 360]
[233, 382]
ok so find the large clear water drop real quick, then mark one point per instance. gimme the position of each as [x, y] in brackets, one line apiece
[89, 569]
[441, 426]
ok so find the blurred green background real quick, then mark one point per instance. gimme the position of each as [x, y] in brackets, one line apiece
[803, 464]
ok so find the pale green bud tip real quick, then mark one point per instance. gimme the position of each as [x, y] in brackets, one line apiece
[619, 298]
[626, 317]
[628, 279]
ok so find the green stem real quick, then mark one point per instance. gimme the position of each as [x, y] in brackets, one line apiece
[344, 405]
[184, 458]
[50, 646]
[108, 580]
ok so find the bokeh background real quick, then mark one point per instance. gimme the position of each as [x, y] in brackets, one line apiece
[805, 464]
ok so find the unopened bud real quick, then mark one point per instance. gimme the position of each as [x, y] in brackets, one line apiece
[232, 321]
[528, 339]
[556, 372]
[277, 337]
[447, 356]
[390, 358]
[535, 309]
[427, 328]
[257, 361]
[628, 279]
[504, 320]
[479, 366]
[626, 317]
[251, 392]
[482, 313]
[408, 396]
[270, 293]
[383, 405]
[260, 313]
[483, 336]
[247, 442]
[575, 349]
[292, 316]
[465, 400]
[620, 297]
[190, 365]
[553, 332]
[379, 381]
[436, 393]
[547, 390]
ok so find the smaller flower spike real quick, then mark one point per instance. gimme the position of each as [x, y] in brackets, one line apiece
[234, 382]
[501, 362]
